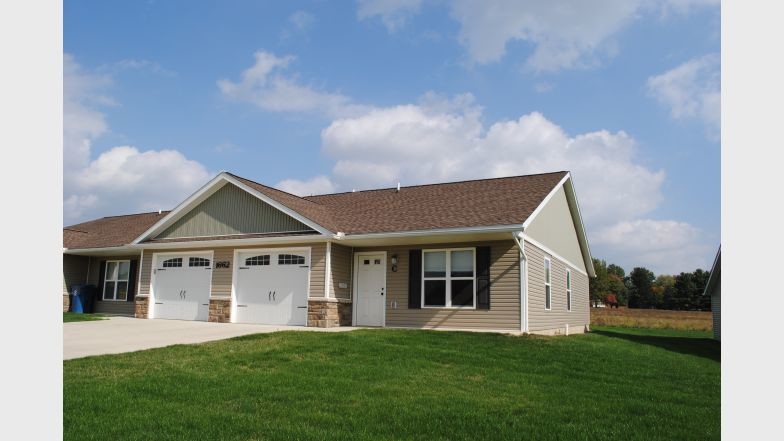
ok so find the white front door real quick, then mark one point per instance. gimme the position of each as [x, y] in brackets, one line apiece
[182, 286]
[272, 287]
[371, 287]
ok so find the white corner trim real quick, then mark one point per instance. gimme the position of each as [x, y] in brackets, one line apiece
[554, 254]
[516, 236]
[328, 270]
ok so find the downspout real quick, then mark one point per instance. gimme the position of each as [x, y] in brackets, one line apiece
[516, 236]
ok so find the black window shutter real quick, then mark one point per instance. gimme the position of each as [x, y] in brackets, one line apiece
[415, 279]
[101, 275]
[132, 280]
[482, 277]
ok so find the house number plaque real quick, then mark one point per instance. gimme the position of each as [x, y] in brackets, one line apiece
[222, 264]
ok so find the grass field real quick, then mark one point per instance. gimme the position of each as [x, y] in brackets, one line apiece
[652, 318]
[74, 317]
[613, 383]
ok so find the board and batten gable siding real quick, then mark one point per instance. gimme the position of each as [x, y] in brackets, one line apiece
[221, 277]
[504, 312]
[554, 228]
[342, 262]
[110, 306]
[716, 310]
[555, 319]
[231, 210]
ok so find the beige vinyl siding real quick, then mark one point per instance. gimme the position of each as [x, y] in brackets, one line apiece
[111, 306]
[540, 319]
[341, 260]
[716, 310]
[504, 312]
[221, 277]
[231, 210]
[554, 228]
[74, 271]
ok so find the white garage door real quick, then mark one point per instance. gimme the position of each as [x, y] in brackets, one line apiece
[272, 287]
[182, 286]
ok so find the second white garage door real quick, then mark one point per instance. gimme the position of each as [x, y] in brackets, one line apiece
[272, 287]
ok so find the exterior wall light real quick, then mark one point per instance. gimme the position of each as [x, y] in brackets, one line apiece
[394, 263]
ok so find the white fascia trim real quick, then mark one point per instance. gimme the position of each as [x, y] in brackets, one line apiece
[581, 235]
[414, 233]
[571, 198]
[554, 254]
[221, 179]
[234, 242]
[545, 201]
[130, 249]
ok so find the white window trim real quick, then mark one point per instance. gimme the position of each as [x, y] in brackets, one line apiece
[447, 278]
[106, 279]
[569, 290]
[548, 283]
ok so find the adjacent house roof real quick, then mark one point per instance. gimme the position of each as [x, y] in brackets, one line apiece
[110, 231]
[478, 203]
[715, 274]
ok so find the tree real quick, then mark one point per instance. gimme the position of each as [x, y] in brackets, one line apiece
[597, 286]
[640, 293]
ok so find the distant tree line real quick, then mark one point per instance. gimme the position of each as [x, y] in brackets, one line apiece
[643, 289]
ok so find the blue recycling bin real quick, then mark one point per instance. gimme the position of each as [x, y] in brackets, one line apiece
[77, 299]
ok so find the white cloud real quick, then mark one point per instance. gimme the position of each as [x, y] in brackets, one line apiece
[438, 140]
[265, 86]
[394, 13]
[667, 245]
[301, 20]
[121, 179]
[316, 185]
[562, 35]
[692, 91]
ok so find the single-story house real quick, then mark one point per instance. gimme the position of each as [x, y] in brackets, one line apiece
[507, 254]
[713, 289]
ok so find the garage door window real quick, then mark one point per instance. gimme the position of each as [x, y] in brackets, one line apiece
[258, 260]
[115, 285]
[198, 261]
[290, 259]
[173, 263]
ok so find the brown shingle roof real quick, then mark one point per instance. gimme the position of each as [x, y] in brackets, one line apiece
[111, 231]
[483, 202]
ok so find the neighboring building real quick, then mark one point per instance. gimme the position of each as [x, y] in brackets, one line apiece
[505, 254]
[713, 289]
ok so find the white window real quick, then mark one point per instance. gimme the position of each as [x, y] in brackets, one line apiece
[260, 260]
[568, 290]
[548, 295]
[449, 278]
[290, 259]
[198, 261]
[115, 282]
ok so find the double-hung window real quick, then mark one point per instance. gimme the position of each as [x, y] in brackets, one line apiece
[115, 284]
[449, 278]
[548, 294]
[568, 290]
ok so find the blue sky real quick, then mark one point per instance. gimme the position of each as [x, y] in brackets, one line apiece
[314, 97]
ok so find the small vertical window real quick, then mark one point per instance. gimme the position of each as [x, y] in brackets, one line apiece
[547, 286]
[568, 290]
[116, 280]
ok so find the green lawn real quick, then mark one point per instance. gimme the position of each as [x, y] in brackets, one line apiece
[402, 384]
[74, 317]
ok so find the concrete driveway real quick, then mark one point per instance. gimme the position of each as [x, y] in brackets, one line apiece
[126, 334]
